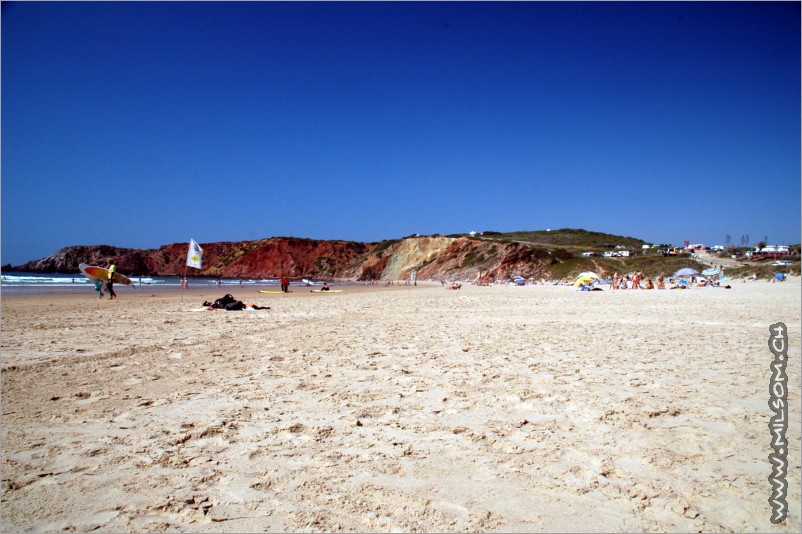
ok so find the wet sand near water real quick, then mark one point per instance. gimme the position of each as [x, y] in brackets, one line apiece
[396, 409]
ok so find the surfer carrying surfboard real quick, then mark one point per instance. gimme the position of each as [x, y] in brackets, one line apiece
[110, 282]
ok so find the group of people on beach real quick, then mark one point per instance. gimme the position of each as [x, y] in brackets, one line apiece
[634, 281]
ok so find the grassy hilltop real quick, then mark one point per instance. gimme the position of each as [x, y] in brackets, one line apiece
[570, 239]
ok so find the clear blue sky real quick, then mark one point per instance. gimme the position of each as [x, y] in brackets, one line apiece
[141, 124]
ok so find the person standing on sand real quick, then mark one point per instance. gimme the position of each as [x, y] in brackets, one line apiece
[285, 285]
[110, 282]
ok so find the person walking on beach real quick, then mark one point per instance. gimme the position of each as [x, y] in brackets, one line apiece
[285, 285]
[99, 287]
[110, 282]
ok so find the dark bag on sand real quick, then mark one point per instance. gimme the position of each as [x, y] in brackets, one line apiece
[236, 305]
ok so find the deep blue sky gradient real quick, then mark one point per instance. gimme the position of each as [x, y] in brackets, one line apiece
[141, 124]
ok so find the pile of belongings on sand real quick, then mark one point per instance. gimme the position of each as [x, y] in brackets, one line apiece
[228, 302]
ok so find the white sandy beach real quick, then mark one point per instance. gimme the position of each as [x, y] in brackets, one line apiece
[396, 409]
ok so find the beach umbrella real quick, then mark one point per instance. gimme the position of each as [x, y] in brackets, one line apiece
[588, 274]
[687, 271]
[583, 280]
[711, 272]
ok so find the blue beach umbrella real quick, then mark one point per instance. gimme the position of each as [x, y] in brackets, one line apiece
[687, 271]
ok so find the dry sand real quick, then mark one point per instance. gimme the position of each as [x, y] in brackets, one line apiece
[396, 409]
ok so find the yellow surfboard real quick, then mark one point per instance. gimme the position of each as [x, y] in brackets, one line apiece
[100, 273]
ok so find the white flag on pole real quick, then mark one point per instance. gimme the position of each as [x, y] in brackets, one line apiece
[194, 255]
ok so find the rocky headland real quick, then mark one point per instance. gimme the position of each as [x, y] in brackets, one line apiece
[433, 257]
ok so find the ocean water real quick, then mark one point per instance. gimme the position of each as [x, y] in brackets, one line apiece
[21, 282]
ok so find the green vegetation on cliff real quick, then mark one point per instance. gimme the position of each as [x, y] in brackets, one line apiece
[568, 238]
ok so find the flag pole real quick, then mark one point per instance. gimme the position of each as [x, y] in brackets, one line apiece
[182, 283]
[196, 262]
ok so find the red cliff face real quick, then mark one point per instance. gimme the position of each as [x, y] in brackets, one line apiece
[288, 257]
[431, 257]
[264, 258]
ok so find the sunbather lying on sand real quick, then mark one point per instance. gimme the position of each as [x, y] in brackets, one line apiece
[228, 302]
